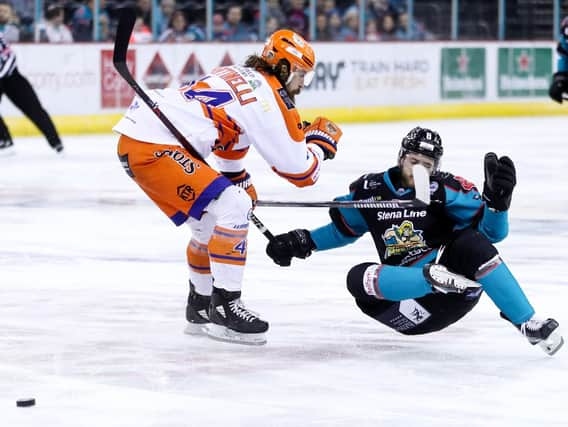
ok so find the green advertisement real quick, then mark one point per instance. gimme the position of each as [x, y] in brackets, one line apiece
[524, 71]
[463, 73]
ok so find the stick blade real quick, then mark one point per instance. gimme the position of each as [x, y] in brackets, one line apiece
[126, 21]
[421, 183]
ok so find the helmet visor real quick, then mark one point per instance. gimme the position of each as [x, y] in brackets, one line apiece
[306, 76]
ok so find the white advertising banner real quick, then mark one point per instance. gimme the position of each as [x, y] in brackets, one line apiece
[79, 79]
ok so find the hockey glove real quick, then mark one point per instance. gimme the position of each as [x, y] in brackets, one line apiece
[325, 134]
[296, 243]
[242, 179]
[559, 86]
[500, 179]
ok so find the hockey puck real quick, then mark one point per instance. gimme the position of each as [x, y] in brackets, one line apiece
[22, 403]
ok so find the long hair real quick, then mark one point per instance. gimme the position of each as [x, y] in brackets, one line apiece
[281, 70]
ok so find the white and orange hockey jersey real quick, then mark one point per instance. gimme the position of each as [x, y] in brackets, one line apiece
[226, 112]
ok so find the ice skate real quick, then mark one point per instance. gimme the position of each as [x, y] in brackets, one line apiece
[231, 321]
[544, 333]
[196, 312]
[444, 281]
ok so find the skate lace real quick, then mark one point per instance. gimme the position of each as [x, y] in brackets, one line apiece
[238, 308]
[531, 326]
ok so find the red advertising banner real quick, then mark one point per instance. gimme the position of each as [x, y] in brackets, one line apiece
[115, 92]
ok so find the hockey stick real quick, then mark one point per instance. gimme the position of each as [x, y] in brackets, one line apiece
[357, 204]
[123, 32]
[421, 187]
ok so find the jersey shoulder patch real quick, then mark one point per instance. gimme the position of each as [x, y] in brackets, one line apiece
[456, 183]
[368, 181]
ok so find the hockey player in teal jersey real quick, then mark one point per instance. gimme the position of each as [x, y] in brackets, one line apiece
[436, 260]
[559, 87]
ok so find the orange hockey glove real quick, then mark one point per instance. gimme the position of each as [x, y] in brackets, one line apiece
[242, 179]
[325, 134]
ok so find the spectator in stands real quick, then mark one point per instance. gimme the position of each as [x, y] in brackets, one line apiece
[82, 22]
[417, 31]
[334, 25]
[218, 26]
[234, 29]
[372, 30]
[272, 24]
[322, 28]
[8, 26]
[52, 29]
[141, 33]
[388, 28]
[350, 30]
[274, 10]
[145, 7]
[164, 15]
[180, 30]
[326, 7]
[296, 18]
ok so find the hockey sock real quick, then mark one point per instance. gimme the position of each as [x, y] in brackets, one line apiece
[199, 267]
[228, 254]
[504, 290]
[400, 283]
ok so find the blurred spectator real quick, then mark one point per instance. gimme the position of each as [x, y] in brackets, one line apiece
[274, 10]
[297, 20]
[378, 9]
[388, 28]
[350, 30]
[334, 25]
[417, 31]
[234, 29]
[322, 29]
[82, 22]
[326, 7]
[145, 8]
[8, 26]
[272, 24]
[218, 26]
[141, 33]
[372, 30]
[52, 29]
[164, 15]
[181, 31]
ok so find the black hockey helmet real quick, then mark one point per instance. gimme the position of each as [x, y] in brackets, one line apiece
[422, 141]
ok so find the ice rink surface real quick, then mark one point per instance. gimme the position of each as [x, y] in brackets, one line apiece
[93, 283]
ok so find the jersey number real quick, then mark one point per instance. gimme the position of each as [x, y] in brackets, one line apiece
[217, 98]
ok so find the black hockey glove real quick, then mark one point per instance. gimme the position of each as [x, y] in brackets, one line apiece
[500, 179]
[295, 243]
[559, 86]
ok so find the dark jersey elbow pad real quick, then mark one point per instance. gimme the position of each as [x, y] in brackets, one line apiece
[340, 223]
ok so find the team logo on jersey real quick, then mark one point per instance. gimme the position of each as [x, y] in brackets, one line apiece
[183, 160]
[433, 187]
[465, 184]
[399, 239]
[286, 98]
[413, 311]
[185, 192]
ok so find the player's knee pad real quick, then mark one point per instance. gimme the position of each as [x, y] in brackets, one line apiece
[468, 252]
[231, 209]
[356, 280]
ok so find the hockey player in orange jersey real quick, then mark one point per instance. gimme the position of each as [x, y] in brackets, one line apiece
[224, 113]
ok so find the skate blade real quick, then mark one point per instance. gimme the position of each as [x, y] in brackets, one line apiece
[552, 344]
[221, 333]
[195, 329]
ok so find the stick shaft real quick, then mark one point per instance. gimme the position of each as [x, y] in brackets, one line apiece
[357, 204]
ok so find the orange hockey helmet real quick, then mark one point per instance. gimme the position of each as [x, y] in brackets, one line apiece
[288, 45]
